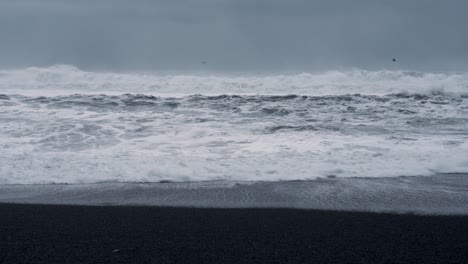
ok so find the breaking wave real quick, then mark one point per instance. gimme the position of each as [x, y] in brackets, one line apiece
[64, 125]
[66, 79]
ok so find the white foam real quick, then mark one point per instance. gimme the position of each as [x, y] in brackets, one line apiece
[298, 157]
[66, 79]
[89, 139]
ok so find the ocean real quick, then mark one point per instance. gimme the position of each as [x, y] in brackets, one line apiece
[63, 125]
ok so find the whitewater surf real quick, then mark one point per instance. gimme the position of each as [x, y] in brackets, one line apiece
[63, 125]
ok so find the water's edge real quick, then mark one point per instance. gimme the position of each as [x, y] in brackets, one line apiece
[439, 194]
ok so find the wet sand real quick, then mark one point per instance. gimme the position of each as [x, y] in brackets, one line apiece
[438, 194]
[129, 234]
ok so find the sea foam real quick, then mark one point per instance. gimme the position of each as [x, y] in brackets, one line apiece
[64, 125]
[67, 79]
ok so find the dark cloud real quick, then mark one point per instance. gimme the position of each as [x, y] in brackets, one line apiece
[246, 35]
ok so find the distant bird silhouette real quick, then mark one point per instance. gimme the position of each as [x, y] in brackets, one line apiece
[203, 62]
[394, 60]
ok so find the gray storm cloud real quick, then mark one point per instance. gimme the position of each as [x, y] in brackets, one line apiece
[241, 35]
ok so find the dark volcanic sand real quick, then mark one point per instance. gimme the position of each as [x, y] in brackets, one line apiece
[80, 234]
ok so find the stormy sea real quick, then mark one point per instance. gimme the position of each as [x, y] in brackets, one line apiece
[349, 166]
[233, 131]
[355, 139]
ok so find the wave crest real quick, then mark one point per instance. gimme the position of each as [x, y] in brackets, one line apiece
[68, 79]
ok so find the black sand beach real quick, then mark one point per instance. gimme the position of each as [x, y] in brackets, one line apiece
[128, 234]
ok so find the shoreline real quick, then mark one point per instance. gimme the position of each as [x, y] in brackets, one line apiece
[443, 194]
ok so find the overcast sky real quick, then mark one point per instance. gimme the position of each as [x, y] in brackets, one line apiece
[240, 35]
